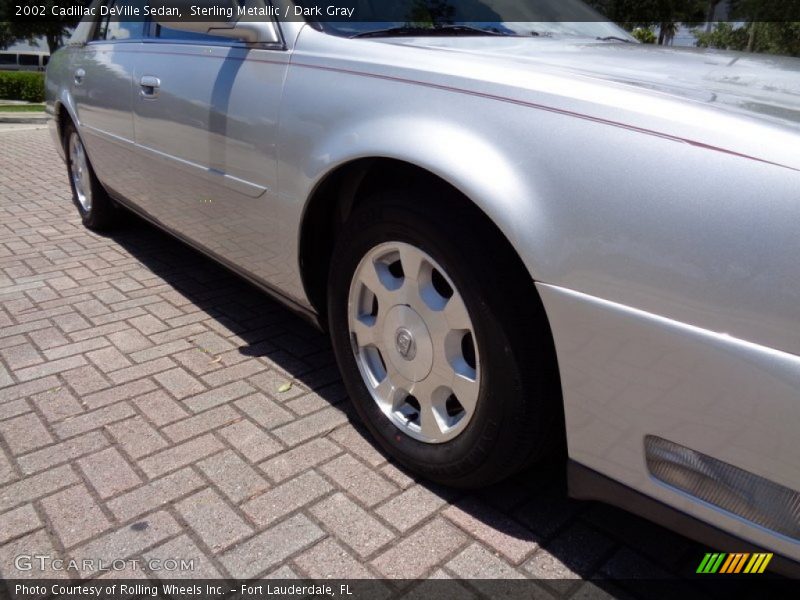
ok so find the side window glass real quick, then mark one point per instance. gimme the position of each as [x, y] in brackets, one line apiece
[166, 33]
[118, 27]
[169, 34]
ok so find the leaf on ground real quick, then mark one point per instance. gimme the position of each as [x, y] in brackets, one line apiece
[285, 387]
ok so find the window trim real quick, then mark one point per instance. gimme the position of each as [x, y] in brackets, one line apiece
[149, 37]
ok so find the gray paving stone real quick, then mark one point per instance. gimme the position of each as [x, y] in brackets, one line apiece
[415, 555]
[286, 498]
[355, 441]
[62, 452]
[352, 524]
[201, 423]
[108, 472]
[410, 508]
[233, 476]
[49, 368]
[476, 562]
[155, 494]
[25, 433]
[160, 408]
[250, 440]
[178, 456]
[270, 548]
[128, 540]
[329, 560]
[136, 437]
[18, 522]
[14, 408]
[264, 411]
[75, 515]
[313, 425]
[57, 404]
[298, 459]
[137, 372]
[500, 532]
[363, 483]
[36, 543]
[108, 359]
[182, 551]
[117, 393]
[218, 525]
[86, 380]
[218, 396]
[93, 420]
[36, 486]
[179, 383]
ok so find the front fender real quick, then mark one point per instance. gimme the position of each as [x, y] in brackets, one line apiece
[58, 95]
[372, 118]
[462, 157]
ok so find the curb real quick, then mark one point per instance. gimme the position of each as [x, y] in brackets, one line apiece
[23, 119]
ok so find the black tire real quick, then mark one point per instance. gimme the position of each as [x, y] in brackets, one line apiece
[103, 214]
[518, 419]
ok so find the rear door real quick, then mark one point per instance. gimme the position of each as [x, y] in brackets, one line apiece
[206, 116]
[101, 85]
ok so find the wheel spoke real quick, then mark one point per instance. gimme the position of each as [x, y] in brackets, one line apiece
[370, 278]
[366, 333]
[429, 424]
[455, 311]
[466, 391]
[411, 259]
[385, 392]
[379, 281]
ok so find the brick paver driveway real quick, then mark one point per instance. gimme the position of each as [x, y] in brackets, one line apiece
[141, 416]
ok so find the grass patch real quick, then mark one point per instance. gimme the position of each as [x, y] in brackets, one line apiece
[21, 107]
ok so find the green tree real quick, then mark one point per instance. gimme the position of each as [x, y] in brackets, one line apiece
[644, 35]
[768, 37]
[664, 14]
[53, 29]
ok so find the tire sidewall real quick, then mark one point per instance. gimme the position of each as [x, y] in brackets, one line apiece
[100, 215]
[500, 392]
[69, 131]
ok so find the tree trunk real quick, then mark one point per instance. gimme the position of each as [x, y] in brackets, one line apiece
[751, 43]
[712, 9]
[662, 32]
[53, 42]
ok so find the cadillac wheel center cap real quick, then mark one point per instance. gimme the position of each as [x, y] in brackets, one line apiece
[404, 342]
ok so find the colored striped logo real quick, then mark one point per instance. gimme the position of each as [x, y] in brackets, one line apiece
[737, 562]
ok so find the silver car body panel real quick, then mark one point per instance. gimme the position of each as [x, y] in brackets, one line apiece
[651, 192]
[629, 372]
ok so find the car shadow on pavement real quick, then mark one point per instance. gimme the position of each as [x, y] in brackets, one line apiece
[528, 520]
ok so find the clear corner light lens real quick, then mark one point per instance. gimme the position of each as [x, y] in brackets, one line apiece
[730, 488]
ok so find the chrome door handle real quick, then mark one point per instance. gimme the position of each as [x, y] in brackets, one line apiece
[79, 75]
[149, 86]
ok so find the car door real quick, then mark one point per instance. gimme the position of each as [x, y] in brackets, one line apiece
[101, 87]
[206, 118]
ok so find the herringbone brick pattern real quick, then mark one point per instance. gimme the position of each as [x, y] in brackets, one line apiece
[141, 417]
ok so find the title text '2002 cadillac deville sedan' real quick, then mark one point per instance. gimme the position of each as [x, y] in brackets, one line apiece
[523, 236]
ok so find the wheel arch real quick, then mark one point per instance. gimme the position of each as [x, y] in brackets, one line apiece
[64, 111]
[62, 115]
[350, 184]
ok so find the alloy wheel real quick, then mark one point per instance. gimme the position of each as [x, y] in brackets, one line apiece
[79, 171]
[414, 342]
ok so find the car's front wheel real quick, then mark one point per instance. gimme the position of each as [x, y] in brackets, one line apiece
[442, 340]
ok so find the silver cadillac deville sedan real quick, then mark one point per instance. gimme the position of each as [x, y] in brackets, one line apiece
[527, 238]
